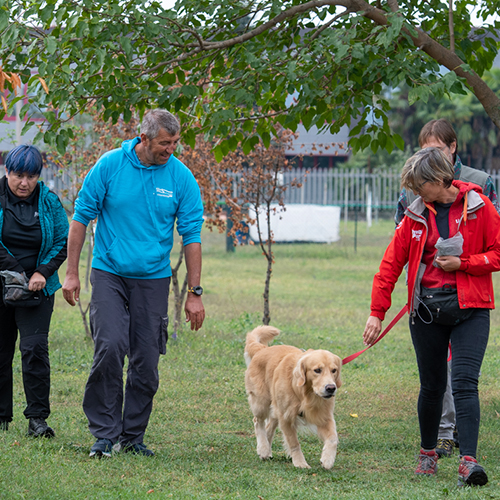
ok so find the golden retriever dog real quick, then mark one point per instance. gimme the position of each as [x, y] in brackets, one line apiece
[289, 387]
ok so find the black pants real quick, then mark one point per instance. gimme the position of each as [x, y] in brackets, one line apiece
[33, 325]
[468, 345]
[128, 317]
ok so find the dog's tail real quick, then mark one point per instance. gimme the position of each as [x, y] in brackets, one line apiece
[258, 339]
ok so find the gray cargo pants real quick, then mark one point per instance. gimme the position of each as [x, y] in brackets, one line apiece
[128, 317]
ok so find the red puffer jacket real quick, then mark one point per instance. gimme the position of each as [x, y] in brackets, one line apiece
[480, 227]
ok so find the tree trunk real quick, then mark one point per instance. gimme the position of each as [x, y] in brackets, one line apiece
[266, 319]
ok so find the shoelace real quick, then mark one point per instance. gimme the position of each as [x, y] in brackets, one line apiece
[468, 465]
[427, 462]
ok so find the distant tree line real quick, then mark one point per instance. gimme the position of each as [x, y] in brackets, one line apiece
[478, 137]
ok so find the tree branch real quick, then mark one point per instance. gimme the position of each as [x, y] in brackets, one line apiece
[451, 26]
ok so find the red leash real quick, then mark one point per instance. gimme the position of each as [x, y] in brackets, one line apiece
[381, 336]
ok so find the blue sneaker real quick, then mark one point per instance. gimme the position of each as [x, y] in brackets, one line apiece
[101, 448]
[137, 449]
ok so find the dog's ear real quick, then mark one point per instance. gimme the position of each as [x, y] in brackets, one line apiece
[338, 380]
[299, 372]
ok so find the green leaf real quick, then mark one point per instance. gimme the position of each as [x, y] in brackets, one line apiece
[416, 93]
[189, 138]
[217, 151]
[364, 141]
[181, 76]
[248, 126]
[127, 45]
[127, 115]
[4, 18]
[399, 141]
[61, 142]
[249, 144]
[51, 44]
[266, 139]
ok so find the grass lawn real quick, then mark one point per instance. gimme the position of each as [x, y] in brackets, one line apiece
[201, 428]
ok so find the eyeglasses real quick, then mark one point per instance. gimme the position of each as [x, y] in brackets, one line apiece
[418, 188]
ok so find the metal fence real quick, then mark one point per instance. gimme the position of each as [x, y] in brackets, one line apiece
[345, 188]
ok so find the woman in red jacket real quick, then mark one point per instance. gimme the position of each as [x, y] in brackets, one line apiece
[460, 217]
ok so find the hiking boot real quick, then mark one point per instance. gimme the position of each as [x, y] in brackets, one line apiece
[101, 448]
[137, 449]
[444, 447]
[37, 427]
[470, 473]
[427, 463]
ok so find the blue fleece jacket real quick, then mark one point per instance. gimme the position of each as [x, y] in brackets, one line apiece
[54, 226]
[136, 207]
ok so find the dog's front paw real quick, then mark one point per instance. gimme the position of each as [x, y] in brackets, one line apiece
[301, 464]
[327, 463]
[264, 452]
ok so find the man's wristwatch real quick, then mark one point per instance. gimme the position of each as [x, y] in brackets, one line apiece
[197, 290]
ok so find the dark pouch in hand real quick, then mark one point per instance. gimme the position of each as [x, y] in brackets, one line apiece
[15, 291]
[440, 305]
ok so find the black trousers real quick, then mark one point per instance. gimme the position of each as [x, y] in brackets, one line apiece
[468, 345]
[33, 325]
[128, 318]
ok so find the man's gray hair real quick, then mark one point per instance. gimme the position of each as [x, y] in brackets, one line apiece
[158, 119]
[427, 165]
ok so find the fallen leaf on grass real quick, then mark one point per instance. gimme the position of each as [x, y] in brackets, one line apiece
[150, 491]
[353, 415]
[16, 443]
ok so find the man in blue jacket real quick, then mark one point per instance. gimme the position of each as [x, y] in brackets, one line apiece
[136, 193]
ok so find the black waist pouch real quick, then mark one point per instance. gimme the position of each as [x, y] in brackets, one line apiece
[15, 291]
[440, 305]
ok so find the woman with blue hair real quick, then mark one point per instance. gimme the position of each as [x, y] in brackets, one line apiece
[33, 234]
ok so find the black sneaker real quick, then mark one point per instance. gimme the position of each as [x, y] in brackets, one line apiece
[444, 447]
[101, 448]
[4, 425]
[37, 427]
[470, 473]
[137, 449]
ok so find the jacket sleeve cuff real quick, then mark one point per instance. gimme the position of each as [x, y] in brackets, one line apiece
[191, 238]
[81, 219]
[378, 314]
[464, 265]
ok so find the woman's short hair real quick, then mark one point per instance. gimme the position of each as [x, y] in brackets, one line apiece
[427, 165]
[24, 159]
[158, 119]
[437, 129]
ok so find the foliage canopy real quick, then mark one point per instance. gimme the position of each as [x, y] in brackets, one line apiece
[234, 69]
